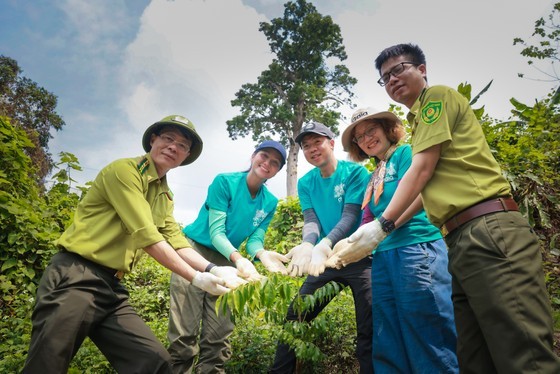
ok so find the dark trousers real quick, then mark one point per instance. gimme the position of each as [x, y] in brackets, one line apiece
[197, 332]
[75, 300]
[358, 277]
[502, 309]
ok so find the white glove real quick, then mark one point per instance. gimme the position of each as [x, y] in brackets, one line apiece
[362, 243]
[300, 256]
[321, 252]
[229, 275]
[334, 260]
[247, 270]
[210, 283]
[273, 261]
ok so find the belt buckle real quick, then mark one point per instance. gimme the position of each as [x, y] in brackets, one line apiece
[119, 275]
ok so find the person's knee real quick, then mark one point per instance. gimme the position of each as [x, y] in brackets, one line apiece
[150, 361]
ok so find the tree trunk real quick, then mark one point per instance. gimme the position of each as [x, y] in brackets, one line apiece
[291, 172]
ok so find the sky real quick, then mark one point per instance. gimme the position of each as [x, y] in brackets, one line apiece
[117, 66]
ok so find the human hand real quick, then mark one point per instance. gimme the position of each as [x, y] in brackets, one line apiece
[300, 256]
[334, 260]
[210, 283]
[321, 252]
[247, 270]
[361, 243]
[229, 275]
[273, 261]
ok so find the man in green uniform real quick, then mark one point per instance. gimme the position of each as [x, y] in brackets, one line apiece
[501, 306]
[127, 211]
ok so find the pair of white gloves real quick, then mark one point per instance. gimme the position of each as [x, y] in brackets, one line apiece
[305, 259]
[221, 279]
[313, 260]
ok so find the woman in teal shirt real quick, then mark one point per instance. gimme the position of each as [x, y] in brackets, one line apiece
[238, 208]
[413, 325]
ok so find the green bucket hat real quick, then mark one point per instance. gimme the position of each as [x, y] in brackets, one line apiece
[185, 126]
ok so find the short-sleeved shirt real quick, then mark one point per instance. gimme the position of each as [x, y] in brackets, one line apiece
[127, 208]
[229, 193]
[418, 229]
[466, 172]
[327, 196]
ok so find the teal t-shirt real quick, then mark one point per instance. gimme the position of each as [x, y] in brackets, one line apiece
[418, 229]
[229, 193]
[327, 196]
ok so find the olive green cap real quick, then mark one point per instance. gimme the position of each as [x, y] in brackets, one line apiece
[185, 126]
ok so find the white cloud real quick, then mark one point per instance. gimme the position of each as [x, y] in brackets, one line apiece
[190, 58]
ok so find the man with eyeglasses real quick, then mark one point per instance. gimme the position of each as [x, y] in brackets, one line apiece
[501, 306]
[330, 196]
[127, 211]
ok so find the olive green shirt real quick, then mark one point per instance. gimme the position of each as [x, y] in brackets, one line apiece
[466, 172]
[127, 208]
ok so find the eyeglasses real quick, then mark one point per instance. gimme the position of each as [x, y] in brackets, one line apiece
[395, 72]
[168, 140]
[369, 133]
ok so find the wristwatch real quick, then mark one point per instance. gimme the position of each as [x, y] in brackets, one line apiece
[387, 225]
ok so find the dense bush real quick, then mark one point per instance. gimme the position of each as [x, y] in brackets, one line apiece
[30, 221]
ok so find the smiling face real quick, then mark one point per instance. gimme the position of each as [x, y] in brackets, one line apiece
[266, 163]
[318, 150]
[407, 86]
[169, 149]
[371, 138]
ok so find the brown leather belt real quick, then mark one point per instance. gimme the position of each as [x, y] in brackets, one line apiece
[502, 204]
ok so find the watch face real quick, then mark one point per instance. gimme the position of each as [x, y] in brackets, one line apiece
[386, 224]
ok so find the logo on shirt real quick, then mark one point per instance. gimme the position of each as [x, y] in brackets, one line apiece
[390, 173]
[431, 112]
[339, 192]
[260, 215]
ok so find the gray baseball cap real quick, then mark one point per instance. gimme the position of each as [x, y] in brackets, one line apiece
[314, 128]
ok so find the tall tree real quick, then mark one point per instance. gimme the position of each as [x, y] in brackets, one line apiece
[547, 43]
[31, 108]
[303, 83]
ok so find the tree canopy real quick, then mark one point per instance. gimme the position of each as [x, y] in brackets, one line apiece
[303, 83]
[31, 108]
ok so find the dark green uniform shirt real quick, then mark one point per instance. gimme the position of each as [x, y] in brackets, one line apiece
[466, 172]
[126, 209]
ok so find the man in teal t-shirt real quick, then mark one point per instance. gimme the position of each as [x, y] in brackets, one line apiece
[330, 197]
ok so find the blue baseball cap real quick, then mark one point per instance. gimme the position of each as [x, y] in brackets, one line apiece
[274, 145]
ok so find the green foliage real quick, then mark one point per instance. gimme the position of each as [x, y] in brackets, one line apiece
[262, 306]
[528, 150]
[31, 220]
[26, 233]
[31, 108]
[546, 47]
[284, 231]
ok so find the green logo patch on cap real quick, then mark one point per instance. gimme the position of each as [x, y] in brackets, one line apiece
[431, 112]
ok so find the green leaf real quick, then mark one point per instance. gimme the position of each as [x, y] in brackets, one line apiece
[9, 263]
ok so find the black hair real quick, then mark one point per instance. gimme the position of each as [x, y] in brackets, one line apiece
[411, 51]
[185, 133]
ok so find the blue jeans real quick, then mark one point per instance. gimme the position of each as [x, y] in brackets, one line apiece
[413, 325]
